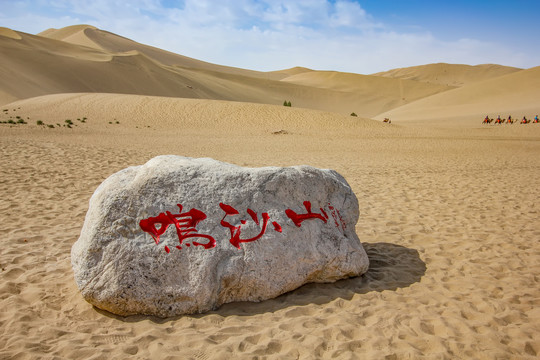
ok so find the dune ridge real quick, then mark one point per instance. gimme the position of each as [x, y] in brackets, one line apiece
[453, 75]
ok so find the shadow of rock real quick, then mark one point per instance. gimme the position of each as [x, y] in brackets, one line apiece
[391, 267]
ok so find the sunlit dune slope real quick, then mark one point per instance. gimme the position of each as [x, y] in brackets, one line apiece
[449, 74]
[282, 74]
[514, 94]
[370, 94]
[72, 34]
[187, 115]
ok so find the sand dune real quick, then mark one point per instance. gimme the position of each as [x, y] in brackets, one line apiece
[515, 94]
[106, 41]
[282, 74]
[82, 58]
[37, 65]
[9, 33]
[73, 35]
[449, 74]
[186, 115]
[448, 215]
[370, 94]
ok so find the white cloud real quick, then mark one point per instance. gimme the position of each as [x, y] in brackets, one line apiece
[261, 34]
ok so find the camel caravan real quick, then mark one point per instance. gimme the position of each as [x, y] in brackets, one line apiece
[510, 120]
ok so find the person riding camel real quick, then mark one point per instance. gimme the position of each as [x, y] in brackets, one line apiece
[536, 119]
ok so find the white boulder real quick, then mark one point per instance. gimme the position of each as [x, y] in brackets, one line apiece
[180, 235]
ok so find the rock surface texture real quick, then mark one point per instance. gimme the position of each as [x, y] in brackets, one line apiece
[180, 235]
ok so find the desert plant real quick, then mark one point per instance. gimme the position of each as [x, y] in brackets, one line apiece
[69, 122]
[50, 126]
[39, 122]
[353, 114]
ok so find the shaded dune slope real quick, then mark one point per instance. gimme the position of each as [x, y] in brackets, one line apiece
[87, 35]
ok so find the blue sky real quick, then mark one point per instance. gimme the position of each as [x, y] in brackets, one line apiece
[363, 36]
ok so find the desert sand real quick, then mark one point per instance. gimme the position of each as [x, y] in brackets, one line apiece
[449, 207]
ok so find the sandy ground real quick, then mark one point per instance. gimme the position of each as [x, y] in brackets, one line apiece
[449, 218]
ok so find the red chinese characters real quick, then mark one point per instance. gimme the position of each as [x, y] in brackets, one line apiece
[236, 231]
[297, 219]
[185, 224]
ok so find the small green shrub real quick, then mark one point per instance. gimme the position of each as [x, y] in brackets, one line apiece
[353, 114]
[69, 122]
[39, 122]
[11, 121]
[50, 126]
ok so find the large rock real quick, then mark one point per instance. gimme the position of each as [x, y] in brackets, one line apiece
[180, 235]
